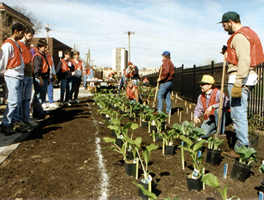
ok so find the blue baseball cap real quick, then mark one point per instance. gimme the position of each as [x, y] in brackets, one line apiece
[166, 53]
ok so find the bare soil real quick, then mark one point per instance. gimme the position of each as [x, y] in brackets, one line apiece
[58, 161]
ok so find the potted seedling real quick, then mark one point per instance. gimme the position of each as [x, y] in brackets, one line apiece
[144, 157]
[157, 124]
[132, 162]
[127, 145]
[261, 170]
[193, 147]
[145, 116]
[214, 153]
[168, 147]
[241, 168]
[212, 181]
[145, 193]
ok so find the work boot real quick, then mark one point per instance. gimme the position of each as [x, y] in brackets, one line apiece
[32, 123]
[231, 154]
[7, 130]
[22, 127]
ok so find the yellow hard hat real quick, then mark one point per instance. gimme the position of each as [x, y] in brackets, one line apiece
[207, 79]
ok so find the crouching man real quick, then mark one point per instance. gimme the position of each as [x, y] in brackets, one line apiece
[207, 105]
[132, 91]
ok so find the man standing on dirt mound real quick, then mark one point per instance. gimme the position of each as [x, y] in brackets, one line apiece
[12, 65]
[165, 82]
[41, 79]
[28, 76]
[244, 53]
[207, 105]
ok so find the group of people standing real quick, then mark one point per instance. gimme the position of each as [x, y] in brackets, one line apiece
[24, 67]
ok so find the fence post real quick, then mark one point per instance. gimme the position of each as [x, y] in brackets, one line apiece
[182, 69]
[194, 82]
[212, 68]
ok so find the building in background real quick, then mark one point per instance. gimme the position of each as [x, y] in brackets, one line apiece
[54, 47]
[146, 71]
[8, 17]
[119, 59]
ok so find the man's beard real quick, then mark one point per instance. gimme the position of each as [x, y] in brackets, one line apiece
[230, 31]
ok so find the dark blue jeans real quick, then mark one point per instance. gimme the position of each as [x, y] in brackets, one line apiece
[38, 111]
[164, 92]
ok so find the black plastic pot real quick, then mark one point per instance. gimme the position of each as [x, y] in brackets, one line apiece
[144, 124]
[194, 184]
[153, 128]
[147, 118]
[113, 133]
[169, 150]
[129, 155]
[131, 169]
[213, 157]
[253, 140]
[240, 171]
[119, 142]
[140, 193]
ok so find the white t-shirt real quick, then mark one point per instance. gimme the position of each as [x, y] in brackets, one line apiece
[7, 52]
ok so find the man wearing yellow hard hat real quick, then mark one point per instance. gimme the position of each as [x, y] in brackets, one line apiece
[207, 106]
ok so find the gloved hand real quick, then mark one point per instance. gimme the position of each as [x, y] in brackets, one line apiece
[224, 48]
[236, 91]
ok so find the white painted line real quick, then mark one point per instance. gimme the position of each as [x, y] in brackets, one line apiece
[101, 166]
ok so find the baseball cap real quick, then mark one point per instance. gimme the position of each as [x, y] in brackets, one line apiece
[231, 15]
[207, 79]
[166, 53]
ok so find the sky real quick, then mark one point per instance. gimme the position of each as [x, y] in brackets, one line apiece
[186, 28]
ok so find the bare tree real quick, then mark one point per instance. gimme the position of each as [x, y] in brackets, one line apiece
[37, 23]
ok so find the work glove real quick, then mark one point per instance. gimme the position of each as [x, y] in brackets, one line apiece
[224, 48]
[236, 91]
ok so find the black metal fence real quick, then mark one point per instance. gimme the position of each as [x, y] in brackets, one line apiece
[186, 84]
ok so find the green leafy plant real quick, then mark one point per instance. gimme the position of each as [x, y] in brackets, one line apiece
[188, 129]
[146, 192]
[212, 181]
[193, 147]
[261, 168]
[214, 143]
[123, 132]
[247, 155]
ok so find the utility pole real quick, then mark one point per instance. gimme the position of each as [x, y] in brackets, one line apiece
[47, 28]
[129, 33]
[88, 57]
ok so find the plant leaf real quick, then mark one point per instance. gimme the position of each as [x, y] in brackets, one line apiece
[109, 140]
[152, 147]
[198, 145]
[186, 140]
[210, 180]
[146, 192]
[134, 126]
[138, 141]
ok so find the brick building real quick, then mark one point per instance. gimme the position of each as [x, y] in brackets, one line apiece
[8, 17]
[54, 47]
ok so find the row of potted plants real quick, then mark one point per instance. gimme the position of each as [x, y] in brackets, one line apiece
[135, 155]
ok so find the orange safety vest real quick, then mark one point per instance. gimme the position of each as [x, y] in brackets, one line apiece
[26, 54]
[15, 60]
[64, 66]
[50, 60]
[212, 101]
[88, 70]
[131, 93]
[77, 65]
[45, 66]
[256, 51]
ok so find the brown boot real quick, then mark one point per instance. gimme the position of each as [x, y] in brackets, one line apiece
[231, 154]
